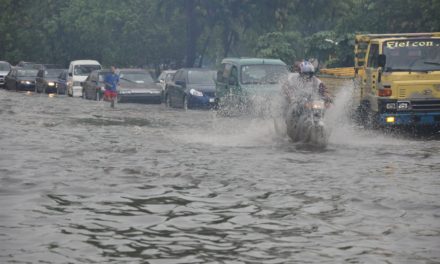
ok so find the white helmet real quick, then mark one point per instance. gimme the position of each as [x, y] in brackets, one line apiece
[306, 68]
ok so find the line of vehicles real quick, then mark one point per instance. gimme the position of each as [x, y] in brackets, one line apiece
[236, 81]
[398, 76]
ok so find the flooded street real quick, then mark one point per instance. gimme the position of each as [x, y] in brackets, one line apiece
[83, 183]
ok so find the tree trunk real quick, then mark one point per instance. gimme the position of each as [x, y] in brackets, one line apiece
[191, 33]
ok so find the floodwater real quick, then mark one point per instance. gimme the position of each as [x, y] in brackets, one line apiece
[83, 183]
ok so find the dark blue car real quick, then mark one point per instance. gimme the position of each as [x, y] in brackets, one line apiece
[191, 88]
[21, 79]
[61, 83]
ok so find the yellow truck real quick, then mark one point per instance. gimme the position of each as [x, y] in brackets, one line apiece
[399, 78]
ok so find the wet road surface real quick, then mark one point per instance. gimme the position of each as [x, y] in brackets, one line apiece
[83, 183]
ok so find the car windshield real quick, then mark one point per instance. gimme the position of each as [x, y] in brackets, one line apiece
[201, 77]
[85, 70]
[53, 72]
[136, 77]
[262, 73]
[412, 55]
[27, 73]
[5, 67]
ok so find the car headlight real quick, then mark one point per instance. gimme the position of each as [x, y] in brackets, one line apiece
[25, 82]
[390, 106]
[403, 105]
[51, 84]
[195, 92]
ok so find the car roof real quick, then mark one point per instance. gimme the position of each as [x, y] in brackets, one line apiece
[197, 69]
[49, 66]
[250, 61]
[85, 62]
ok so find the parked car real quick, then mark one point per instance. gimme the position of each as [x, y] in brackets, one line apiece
[46, 80]
[191, 87]
[21, 79]
[5, 68]
[61, 82]
[77, 73]
[93, 86]
[137, 85]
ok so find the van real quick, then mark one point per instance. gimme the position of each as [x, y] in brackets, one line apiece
[241, 79]
[78, 72]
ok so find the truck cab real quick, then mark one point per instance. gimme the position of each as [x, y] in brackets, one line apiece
[399, 78]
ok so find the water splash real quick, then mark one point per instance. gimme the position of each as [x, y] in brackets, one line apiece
[343, 130]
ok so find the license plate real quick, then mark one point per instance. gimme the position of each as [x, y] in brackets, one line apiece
[211, 100]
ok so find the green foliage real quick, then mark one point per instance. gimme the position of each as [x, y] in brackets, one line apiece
[199, 32]
[288, 46]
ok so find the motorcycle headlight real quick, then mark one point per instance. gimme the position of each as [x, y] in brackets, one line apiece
[318, 105]
[195, 92]
[50, 83]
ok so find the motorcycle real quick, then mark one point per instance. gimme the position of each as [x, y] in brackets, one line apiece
[305, 121]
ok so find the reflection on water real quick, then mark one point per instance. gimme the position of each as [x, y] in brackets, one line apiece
[83, 183]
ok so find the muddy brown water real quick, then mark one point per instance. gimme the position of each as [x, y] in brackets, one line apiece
[83, 183]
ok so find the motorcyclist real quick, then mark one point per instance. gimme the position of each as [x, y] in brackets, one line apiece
[301, 83]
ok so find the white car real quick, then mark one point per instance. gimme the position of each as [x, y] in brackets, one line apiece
[5, 68]
[78, 72]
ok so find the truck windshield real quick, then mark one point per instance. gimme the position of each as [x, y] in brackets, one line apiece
[262, 73]
[412, 55]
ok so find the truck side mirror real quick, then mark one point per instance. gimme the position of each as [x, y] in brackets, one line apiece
[381, 61]
[70, 74]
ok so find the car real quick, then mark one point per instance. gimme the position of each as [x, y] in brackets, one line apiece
[93, 86]
[244, 84]
[77, 73]
[5, 68]
[137, 85]
[191, 87]
[61, 82]
[46, 80]
[21, 79]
